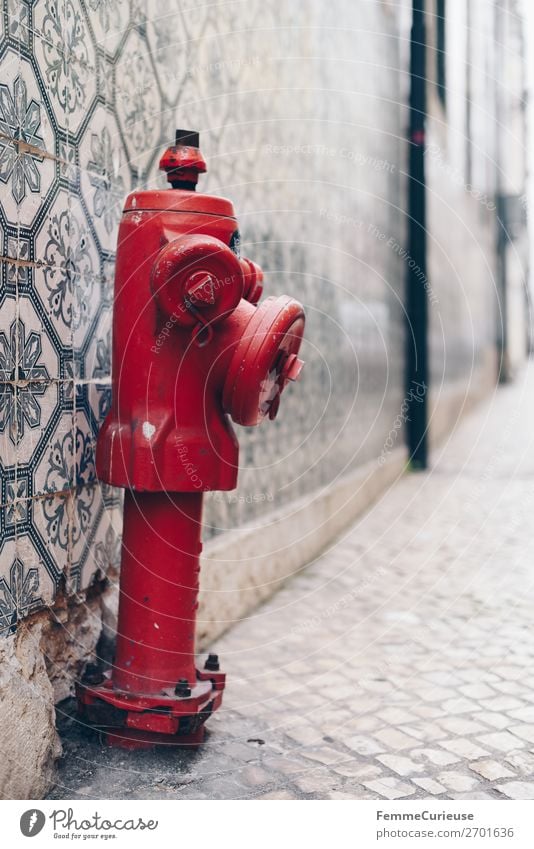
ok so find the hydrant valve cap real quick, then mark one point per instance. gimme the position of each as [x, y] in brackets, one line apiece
[264, 360]
[197, 277]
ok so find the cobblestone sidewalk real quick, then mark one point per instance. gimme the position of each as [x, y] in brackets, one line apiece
[399, 665]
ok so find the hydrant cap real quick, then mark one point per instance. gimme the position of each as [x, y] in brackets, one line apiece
[183, 161]
[197, 278]
[264, 361]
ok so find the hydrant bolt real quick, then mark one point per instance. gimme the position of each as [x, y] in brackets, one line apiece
[182, 688]
[93, 674]
[212, 663]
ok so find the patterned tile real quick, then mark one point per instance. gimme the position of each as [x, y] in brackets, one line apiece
[109, 20]
[138, 102]
[22, 588]
[104, 176]
[96, 534]
[43, 540]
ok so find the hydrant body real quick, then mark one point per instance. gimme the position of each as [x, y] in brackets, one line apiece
[191, 349]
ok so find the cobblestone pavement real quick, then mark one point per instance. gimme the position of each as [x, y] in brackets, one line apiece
[399, 665]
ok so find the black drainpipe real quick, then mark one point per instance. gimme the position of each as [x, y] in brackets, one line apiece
[417, 301]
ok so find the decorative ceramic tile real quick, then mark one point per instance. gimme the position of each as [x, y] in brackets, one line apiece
[168, 47]
[109, 20]
[103, 175]
[18, 17]
[21, 587]
[45, 450]
[28, 171]
[43, 540]
[67, 58]
[138, 102]
[96, 535]
[97, 355]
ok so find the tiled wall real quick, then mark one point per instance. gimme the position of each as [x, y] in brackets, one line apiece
[302, 124]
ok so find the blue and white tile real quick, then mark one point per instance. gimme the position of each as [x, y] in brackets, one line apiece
[18, 18]
[167, 42]
[23, 589]
[110, 20]
[67, 59]
[97, 359]
[97, 526]
[85, 435]
[43, 541]
[27, 172]
[138, 102]
[104, 175]
[45, 448]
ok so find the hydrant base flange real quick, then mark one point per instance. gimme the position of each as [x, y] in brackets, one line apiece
[133, 740]
[138, 721]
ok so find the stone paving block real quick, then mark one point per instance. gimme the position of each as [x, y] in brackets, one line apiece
[364, 724]
[525, 732]
[396, 716]
[377, 685]
[490, 769]
[477, 691]
[517, 789]
[432, 693]
[501, 740]
[459, 705]
[317, 782]
[427, 732]
[461, 725]
[464, 748]
[428, 711]
[475, 673]
[501, 703]
[324, 755]
[511, 672]
[357, 769]
[304, 735]
[458, 781]
[471, 795]
[394, 739]
[255, 776]
[524, 714]
[438, 757]
[343, 796]
[390, 788]
[511, 688]
[286, 765]
[522, 762]
[496, 720]
[446, 678]
[401, 765]
[430, 786]
[364, 745]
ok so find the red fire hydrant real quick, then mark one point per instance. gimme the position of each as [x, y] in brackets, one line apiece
[190, 350]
